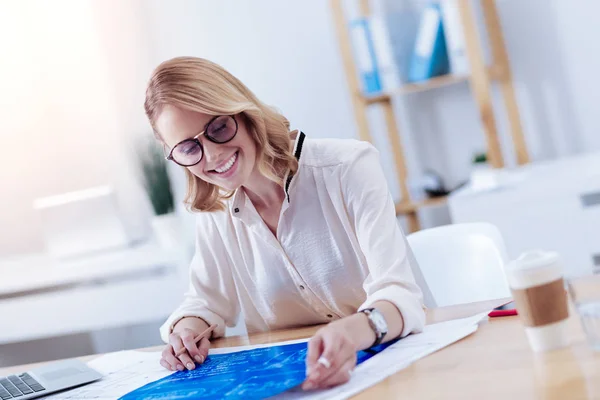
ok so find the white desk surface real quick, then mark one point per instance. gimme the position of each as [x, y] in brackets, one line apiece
[118, 288]
[41, 271]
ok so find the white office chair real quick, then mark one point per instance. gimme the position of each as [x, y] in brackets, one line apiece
[462, 263]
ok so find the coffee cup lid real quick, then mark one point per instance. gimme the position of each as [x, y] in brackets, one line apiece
[534, 259]
[535, 267]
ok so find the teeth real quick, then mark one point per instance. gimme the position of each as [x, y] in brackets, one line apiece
[227, 166]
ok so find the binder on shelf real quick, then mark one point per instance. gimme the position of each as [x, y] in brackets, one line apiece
[364, 53]
[430, 55]
[387, 69]
[455, 38]
[402, 25]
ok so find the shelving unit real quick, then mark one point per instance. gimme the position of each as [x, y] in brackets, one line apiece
[433, 83]
[480, 80]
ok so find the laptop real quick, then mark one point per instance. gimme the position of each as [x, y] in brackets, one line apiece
[47, 379]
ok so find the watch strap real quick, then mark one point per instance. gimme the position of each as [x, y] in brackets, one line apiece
[379, 335]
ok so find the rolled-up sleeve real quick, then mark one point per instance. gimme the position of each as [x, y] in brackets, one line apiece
[371, 209]
[212, 294]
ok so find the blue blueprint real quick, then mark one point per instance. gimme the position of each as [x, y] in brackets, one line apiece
[249, 374]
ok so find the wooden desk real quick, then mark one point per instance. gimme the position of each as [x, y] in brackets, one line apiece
[493, 363]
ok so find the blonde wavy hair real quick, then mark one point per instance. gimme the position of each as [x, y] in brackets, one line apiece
[200, 85]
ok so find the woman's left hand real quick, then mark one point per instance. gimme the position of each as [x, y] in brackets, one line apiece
[331, 357]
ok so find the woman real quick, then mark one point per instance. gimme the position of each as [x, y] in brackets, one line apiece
[291, 231]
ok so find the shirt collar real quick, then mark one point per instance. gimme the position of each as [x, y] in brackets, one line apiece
[236, 205]
[238, 201]
[297, 153]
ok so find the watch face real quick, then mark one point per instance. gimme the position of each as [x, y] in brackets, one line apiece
[378, 321]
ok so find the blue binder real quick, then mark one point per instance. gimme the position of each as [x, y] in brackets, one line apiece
[364, 52]
[430, 54]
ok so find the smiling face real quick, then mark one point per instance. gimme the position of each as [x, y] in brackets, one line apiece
[227, 165]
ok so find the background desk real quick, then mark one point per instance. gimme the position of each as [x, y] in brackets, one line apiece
[493, 363]
[41, 297]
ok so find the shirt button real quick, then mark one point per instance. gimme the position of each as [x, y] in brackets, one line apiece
[301, 287]
[237, 210]
[329, 316]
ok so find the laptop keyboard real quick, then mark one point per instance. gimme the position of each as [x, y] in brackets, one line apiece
[13, 386]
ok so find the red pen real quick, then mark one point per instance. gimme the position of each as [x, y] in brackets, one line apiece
[504, 310]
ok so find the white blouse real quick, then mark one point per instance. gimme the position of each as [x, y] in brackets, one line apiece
[338, 249]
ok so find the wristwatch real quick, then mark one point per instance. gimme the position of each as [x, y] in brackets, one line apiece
[377, 323]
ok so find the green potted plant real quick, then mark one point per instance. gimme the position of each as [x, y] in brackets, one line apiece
[157, 184]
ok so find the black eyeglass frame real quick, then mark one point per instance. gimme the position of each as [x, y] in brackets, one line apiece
[197, 141]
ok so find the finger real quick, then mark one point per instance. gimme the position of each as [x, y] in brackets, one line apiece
[342, 375]
[181, 352]
[187, 361]
[315, 347]
[203, 349]
[169, 356]
[335, 353]
[192, 347]
[191, 350]
[183, 358]
[165, 364]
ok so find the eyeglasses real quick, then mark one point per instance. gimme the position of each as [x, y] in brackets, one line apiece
[221, 129]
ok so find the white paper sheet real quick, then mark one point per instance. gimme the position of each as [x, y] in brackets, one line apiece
[126, 371]
[123, 372]
[395, 358]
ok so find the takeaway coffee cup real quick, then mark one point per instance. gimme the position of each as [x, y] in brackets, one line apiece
[537, 285]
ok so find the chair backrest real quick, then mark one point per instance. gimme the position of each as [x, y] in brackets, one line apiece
[462, 263]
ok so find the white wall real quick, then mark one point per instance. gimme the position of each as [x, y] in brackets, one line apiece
[61, 113]
[283, 50]
[77, 73]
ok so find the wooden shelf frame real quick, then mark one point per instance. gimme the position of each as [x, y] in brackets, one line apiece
[433, 83]
[429, 84]
[404, 207]
[480, 79]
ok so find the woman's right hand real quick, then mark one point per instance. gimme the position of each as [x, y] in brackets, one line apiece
[182, 342]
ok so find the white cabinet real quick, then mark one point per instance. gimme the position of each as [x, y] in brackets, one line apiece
[42, 298]
[550, 205]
